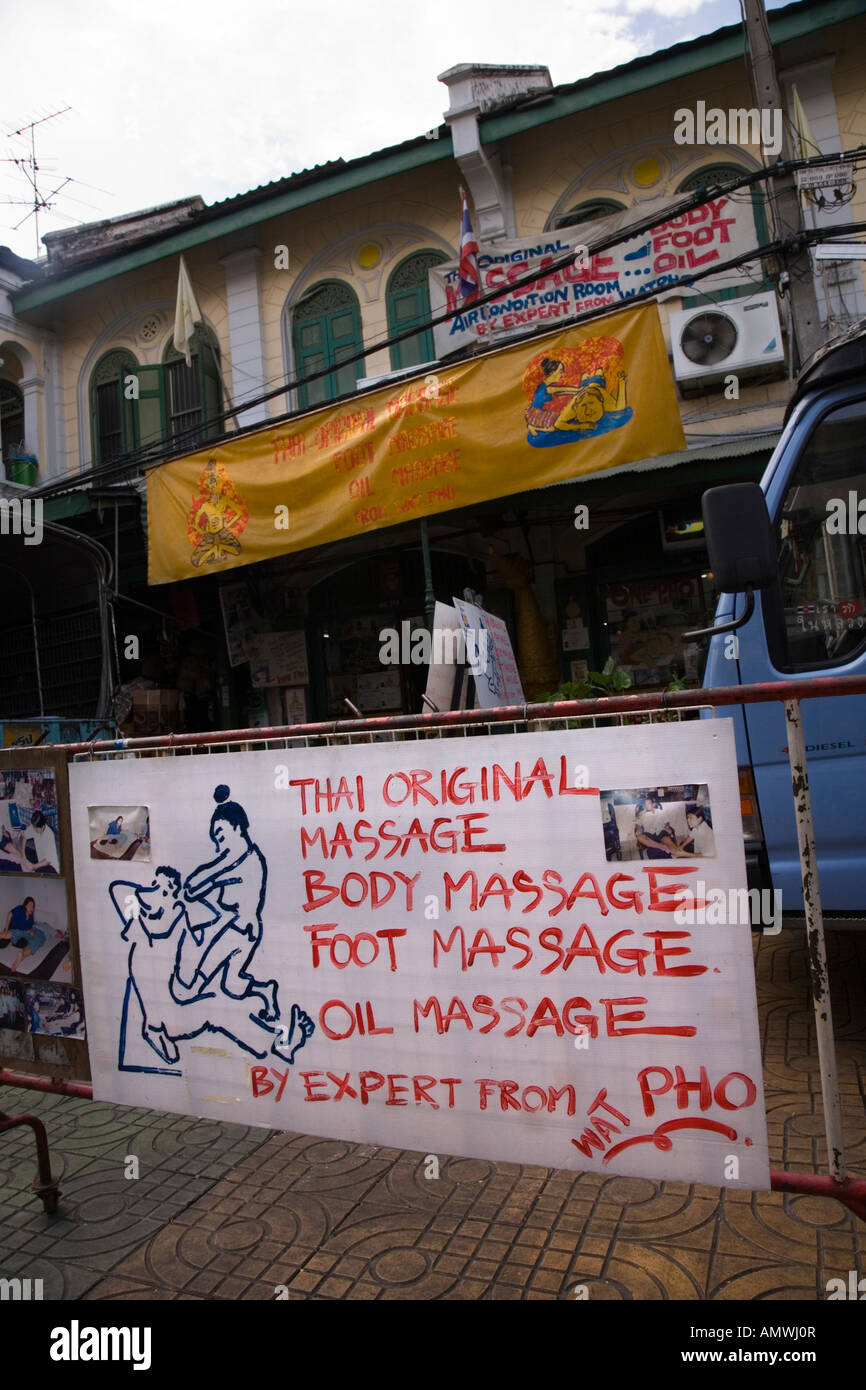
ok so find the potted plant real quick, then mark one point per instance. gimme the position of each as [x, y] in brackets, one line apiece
[610, 680]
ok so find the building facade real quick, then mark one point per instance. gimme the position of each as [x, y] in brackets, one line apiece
[296, 279]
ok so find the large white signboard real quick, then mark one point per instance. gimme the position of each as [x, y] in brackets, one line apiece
[497, 947]
[663, 257]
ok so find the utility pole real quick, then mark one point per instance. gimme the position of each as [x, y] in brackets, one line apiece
[786, 207]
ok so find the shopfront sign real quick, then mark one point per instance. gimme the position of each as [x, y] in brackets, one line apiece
[573, 403]
[661, 258]
[496, 947]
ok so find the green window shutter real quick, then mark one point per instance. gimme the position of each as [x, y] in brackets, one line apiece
[113, 417]
[326, 329]
[151, 414]
[408, 299]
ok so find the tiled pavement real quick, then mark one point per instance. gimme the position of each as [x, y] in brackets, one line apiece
[103, 1215]
[223, 1212]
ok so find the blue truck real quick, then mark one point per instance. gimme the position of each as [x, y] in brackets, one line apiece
[789, 555]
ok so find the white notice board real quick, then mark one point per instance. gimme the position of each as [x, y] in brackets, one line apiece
[472, 947]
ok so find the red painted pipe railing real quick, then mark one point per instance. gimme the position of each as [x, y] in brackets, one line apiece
[82, 1089]
[851, 1192]
[809, 688]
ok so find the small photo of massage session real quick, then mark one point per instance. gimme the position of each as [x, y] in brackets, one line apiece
[34, 929]
[29, 843]
[658, 823]
[120, 832]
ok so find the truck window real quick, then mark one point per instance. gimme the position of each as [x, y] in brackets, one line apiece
[821, 537]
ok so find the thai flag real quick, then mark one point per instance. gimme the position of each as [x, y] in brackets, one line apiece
[468, 270]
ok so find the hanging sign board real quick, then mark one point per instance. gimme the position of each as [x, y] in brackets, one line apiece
[660, 258]
[498, 947]
[542, 412]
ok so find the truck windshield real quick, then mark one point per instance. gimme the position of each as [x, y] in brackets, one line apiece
[821, 536]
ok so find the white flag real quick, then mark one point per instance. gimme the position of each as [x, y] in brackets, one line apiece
[187, 313]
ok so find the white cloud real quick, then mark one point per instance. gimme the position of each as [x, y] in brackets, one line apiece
[668, 9]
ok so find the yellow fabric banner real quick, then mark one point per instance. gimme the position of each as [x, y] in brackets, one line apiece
[571, 403]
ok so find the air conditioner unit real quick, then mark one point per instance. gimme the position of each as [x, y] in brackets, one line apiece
[741, 335]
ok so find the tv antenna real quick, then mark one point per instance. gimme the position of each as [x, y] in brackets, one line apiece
[30, 168]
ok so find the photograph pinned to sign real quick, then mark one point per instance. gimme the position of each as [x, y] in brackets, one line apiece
[29, 842]
[378, 691]
[34, 929]
[658, 823]
[54, 1010]
[13, 1007]
[119, 832]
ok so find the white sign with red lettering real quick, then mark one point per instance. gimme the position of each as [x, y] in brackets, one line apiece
[708, 235]
[532, 948]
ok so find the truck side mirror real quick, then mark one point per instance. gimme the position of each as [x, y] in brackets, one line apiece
[742, 551]
[740, 540]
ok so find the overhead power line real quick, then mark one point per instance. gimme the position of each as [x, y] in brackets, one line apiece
[184, 442]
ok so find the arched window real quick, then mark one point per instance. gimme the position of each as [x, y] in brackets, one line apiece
[11, 418]
[113, 417]
[408, 298]
[589, 211]
[709, 176]
[326, 329]
[169, 400]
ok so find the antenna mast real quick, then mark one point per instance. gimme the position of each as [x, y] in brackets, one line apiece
[29, 166]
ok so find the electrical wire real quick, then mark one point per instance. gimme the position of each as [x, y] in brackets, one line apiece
[191, 438]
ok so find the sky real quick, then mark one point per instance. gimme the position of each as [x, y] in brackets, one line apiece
[214, 97]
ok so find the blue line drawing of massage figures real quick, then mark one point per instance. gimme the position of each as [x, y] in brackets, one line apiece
[481, 655]
[190, 977]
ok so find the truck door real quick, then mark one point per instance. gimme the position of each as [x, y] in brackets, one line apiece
[815, 495]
